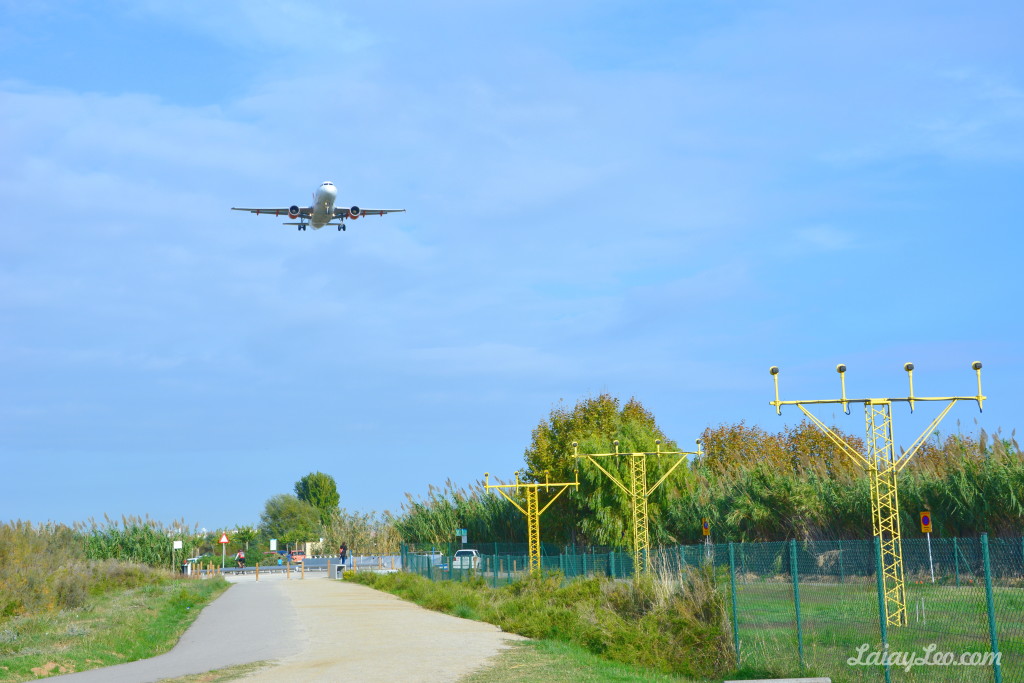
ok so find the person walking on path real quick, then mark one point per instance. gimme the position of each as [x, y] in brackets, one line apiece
[343, 554]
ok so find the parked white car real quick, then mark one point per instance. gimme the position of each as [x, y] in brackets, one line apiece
[466, 559]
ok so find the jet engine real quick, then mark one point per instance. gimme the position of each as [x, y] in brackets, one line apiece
[354, 213]
[293, 211]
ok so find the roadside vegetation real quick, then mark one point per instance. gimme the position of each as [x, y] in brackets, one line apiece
[78, 597]
[751, 484]
[655, 623]
[120, 625]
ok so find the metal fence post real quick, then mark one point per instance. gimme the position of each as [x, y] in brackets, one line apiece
[794, 569]
[842, 575]
[611, 561]
[735, 614]
[881, 608]
[996, 668]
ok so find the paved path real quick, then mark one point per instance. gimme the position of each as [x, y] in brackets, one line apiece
[354, 633]
[326, 630]
[236, 628]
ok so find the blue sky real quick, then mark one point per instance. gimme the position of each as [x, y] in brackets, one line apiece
[656, 200]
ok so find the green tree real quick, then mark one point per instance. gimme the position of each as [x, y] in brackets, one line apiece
[290, 520]
[245, 534]
[321, 491]
[600, 509]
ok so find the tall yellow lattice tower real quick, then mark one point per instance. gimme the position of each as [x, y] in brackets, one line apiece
[882, 465]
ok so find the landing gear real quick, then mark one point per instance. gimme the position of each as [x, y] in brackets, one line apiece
[302, 227]
[341, 227]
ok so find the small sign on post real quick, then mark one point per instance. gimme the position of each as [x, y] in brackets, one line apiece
[464, 534]
[223, 549]
[705, 526]
[273, 544]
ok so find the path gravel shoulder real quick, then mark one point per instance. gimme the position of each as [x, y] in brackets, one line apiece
[356, 633]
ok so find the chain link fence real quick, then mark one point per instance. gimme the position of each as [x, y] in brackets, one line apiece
[815, 606]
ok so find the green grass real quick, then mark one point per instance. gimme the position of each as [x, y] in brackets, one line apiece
[544, 661]
[839, 618]
[110, 628]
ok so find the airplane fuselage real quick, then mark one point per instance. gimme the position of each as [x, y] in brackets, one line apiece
[323, 205]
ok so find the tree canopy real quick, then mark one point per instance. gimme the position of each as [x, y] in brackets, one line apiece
[289, 519]
[600, 509]
[321, 491]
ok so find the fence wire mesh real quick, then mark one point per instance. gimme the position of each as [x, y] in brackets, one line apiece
[815, 605]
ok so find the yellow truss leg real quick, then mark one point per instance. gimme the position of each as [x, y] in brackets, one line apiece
[533, 528]
[885, 507]
[638, 495]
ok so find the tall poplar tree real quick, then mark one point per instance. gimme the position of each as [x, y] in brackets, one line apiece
[321, 491]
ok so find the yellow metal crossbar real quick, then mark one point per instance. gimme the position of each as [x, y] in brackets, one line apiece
[533, 511]
[637, 491]
[882, 465]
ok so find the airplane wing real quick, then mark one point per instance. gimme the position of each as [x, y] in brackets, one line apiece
[304, 211]
[347, 213]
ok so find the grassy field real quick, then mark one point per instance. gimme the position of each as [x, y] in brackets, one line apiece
[110, 628]
[837, 619]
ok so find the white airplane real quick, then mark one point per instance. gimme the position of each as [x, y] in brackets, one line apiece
[323, 210]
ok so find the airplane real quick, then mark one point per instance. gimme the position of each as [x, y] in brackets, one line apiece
[323, 210]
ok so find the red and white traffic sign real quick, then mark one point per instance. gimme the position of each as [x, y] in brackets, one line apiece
[223, 538]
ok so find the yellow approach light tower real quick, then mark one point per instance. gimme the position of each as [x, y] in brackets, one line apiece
[533, 510]
[882, 465]
[638, 490]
